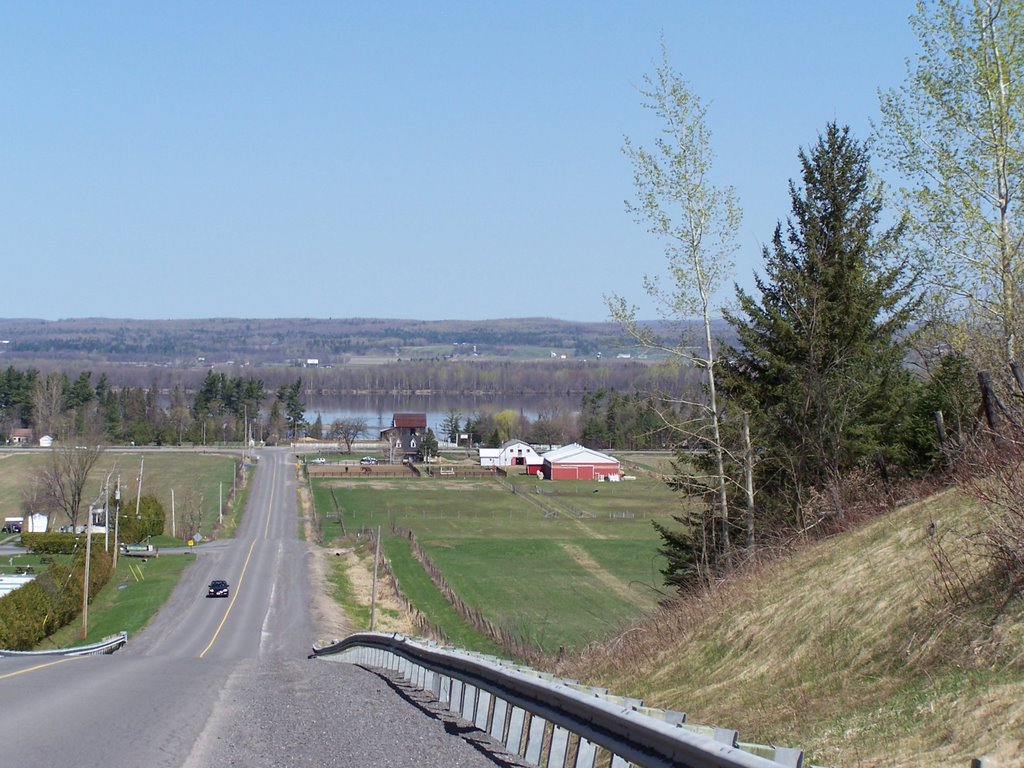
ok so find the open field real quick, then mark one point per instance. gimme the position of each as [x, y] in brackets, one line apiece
[193, 476]
[560, 564]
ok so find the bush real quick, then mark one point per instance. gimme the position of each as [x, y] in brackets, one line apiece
[53, 599]
[58, 543]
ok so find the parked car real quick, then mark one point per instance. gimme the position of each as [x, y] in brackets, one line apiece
[318, 460]
[367, 460]
[217, 588]
[11, 528]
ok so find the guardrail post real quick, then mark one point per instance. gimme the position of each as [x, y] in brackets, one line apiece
[727, 736]
[470, 696]
[534, 739]
[499, 718]
[559, 747]
[455, 698]
[444, 690]
[586, 754]
[483, 710]
[514, 734]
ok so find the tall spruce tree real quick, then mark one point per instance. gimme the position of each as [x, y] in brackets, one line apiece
[819, 365]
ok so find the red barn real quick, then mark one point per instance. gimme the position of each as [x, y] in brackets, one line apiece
[574, 462]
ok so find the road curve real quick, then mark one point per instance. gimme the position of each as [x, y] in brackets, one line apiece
[215, 682]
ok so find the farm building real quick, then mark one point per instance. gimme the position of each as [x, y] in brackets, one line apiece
[575, 462]
[404, 434]
[512, 453]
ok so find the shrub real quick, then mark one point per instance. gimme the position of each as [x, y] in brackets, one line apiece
[59, 543]
[53, 599]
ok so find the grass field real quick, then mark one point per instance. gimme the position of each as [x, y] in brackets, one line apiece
[188, 474]
[560, 564]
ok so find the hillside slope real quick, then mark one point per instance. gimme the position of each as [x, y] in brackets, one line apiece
[846, 649]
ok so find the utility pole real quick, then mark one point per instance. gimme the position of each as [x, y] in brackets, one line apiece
[173, 534]
[117, 519]
[373, 589]
[85, 585]
[138, 497]
[106, 512]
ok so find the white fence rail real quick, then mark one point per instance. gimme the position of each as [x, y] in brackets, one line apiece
[550, 722]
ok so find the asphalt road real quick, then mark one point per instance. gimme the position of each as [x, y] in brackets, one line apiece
[227, 682]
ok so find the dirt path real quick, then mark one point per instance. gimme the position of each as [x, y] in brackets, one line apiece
[609, 580]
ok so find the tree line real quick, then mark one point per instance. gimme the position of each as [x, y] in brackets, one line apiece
[223, 409]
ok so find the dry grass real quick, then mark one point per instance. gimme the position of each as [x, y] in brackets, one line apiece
[847, 649]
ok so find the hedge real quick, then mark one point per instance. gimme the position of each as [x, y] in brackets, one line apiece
[58, 543]
[51, 600]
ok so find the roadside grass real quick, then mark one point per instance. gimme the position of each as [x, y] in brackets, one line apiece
[558, 581]
[846, 649]
[343, 593]
[128, 602]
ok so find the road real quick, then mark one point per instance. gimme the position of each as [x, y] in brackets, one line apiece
[221, 682]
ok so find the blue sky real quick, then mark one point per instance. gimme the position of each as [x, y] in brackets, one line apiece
[435, 160]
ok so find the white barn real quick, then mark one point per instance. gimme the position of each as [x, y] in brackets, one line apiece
[512, 453]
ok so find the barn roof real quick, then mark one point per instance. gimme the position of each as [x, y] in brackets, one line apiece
[413, 420]
[576, 453]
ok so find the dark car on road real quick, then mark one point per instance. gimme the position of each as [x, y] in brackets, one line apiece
[11, 528]
[217, 588]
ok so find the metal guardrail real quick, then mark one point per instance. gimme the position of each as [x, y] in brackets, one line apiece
[105, 646]
[554, 722]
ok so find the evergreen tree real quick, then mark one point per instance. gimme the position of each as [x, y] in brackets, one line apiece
[819, 366]
[294, 411]
[428, 445]
[451, 425]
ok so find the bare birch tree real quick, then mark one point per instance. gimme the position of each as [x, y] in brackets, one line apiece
[697, 221]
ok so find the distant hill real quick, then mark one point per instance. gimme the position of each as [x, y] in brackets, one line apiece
[288, 341]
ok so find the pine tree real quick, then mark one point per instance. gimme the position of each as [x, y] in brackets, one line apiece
[819, 365]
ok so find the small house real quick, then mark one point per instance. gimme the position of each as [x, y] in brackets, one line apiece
[405, 434]
[21, 436]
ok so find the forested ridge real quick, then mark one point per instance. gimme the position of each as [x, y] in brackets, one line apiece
[285, 340]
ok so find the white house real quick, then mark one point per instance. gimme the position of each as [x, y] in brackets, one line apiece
[512, 453]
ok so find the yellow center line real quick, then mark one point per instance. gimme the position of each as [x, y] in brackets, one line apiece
[37, 666]
[234, 597]
[245, 565]
[270, 502]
